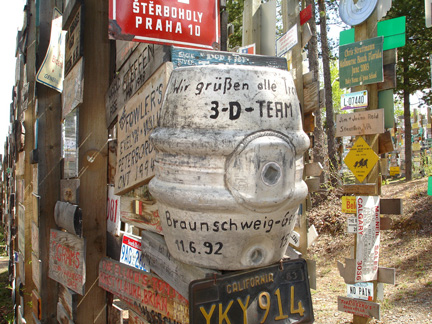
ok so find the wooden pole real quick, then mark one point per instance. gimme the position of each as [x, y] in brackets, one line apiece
[92, 154]
[251, 24]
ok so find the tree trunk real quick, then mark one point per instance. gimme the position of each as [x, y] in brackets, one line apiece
[333, 166]
[407, 119]
[318, 134]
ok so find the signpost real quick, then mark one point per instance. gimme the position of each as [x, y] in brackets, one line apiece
[361, 290]
[186, 23]
[359, 307]
[354, 100]
[360, 123]
[361, 159]
[361, 63]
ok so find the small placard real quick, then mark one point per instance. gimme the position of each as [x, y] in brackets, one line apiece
[349, 204]
[361, 290]
[131, 253]
[354, 100]
[352, 225]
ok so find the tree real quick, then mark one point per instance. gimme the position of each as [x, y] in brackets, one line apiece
[413, 64]
[235, 17]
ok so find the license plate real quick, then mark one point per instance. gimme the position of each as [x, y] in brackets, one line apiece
[131, 253]
[354, 100]
[274, 294]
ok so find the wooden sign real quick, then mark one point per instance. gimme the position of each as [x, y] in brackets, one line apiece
[36, 271]
[123, 50]
[140, 66]
[139, 208]
[35, 238]
[73, 89]
[21, 229]
[62, 316]
[68, 217]
[313, 169]
[183, 23]
[189, 57]
[74, 45]
[144, 293]
[69, 190]
[311, 97]
[113, 212]
[67, 260]
[359, 307]
[360, 123]
[135, 153]
[361, 159]
[361, 63]
[352, 225]
[177, 274]
[368, 238]
[69, 300]
[134, 318]
[36, 304]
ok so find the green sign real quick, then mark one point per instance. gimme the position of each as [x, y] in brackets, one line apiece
[430, 186]
[386, 101]
[361, 63]
[393, 31]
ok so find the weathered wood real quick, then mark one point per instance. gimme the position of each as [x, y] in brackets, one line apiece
[74, 43]
[123, 50]
[134, 133]
[116, 314]
[177, 274]
[348, 272]
[69, 190]
[62, 316]
[361, 189]
[311, 97]
[21, 229]
[36, 266]
[67, 260]
[308, 78]
[70, 8]
[313, 184]
[359, 307]
[165, 301]
[73, 89]
[389, 82]
[36, 305]
[313, 169]
[69, 300]
[148, 218]
[392, 206]
[311, 266]
[360, 123]
[134, 318]
[309, 123]
[35, 238]
[306, 34]
[141, 65]
[387, 275]
[113, 212]
[385, 143]
[68, 217]
[385, 223]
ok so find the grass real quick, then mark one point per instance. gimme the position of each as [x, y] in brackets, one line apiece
[6, 304]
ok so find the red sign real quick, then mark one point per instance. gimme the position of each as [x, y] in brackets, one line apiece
[186, 23]
[306, 14]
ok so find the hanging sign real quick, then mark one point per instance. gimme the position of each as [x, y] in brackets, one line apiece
[51, 72]
[368, 238]
[361, 63]
[361, 159]
[354, 100]
[186, 23]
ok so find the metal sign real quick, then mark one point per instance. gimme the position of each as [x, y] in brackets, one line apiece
[354, 100]
[131, 253]
[361, 290]
[186, 23]
[361, 159]
[273, 294]
[368, 238]
[305, 15]
[287, 41]
[348, 205]
[113, 212]
[361, 63]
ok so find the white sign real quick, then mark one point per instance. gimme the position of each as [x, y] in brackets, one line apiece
[113, 212]
[428, 10]
[352, 225]
[361, 290]
[360, 123]
[294, 239]
[368, 237]
[354, 100]
[131, 253]
[52, 68]
[286, 41]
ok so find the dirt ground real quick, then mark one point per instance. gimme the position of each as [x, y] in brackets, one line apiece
[406, 247]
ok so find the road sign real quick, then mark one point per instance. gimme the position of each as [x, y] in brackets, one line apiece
[354, 100]
[193, 23]
[361, 159]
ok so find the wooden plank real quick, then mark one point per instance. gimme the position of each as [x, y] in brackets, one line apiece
[391, 206]
[35, 238]
[309, 123]
[389, 82]
[67, 260]
[385, 223]
[112, 155]
[311, 97]
[306, 34]
[134, 318]
[387, 275]
[348, 271]
[21, 229]
[36, 267]
[140, 66]
[361, 189]
[74, 42]
[360, 123]
[135, 153]
[123, 50]
[70, 7]
[73, 89]
[145, 293]
[385, 143]
[68, 217]
[69, 190]
[313, 184]
[36, 304]
[69, 300]
[359, 307]
[313, 169]
[62, 316]
[177, 274]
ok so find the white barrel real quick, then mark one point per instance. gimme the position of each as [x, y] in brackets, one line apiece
[229, 165]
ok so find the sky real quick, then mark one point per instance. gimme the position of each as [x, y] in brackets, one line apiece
[11, 20]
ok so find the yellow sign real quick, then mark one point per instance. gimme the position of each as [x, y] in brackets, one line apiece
[349, 204]
[394, 171]
[361, 159]
[415, 126]
[416, 147]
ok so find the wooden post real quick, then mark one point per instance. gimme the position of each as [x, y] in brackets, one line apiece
[92, 154]
[251, 24]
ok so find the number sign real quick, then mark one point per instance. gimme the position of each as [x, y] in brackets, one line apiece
[131, 253]
[113, 212]
[354, 100]
[186, 23]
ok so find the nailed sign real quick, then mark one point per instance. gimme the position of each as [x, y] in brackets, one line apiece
[146, 294]
[67, 260]
[135, 153]
[359, 307]
[74, 48]
[187, 23]
[360, 123]
[361, 159]
[368, 237]
[361, 63]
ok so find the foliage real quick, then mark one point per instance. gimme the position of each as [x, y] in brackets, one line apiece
[235, 17]
[416, 51]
